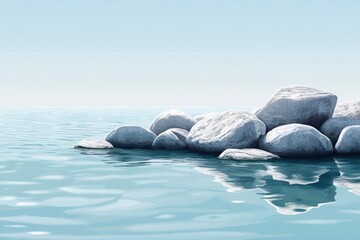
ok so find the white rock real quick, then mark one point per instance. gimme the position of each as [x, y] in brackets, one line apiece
[349, 140]
[131, 137]
[205, 115]
[173, 138]
[348, 109]
[229, 129]
[297, 104]
[296, 140]
[94, 144]
[247, 154]
[333, 127]
[172, 119]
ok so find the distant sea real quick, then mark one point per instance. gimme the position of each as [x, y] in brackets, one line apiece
[49, 190]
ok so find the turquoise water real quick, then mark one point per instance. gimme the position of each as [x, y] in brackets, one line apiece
[48, 190]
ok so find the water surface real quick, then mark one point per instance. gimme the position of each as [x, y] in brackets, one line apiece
[48, 190]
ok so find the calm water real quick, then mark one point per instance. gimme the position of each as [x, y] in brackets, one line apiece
[48, 190]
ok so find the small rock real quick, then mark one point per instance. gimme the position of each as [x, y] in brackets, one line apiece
[94, 144]
[247, 154]
[131, 137]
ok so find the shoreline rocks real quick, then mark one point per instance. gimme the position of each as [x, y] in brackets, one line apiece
[229, 129]
[287, 126]
[247, 154]
[296, 140]
[131, 137]
[297, 104]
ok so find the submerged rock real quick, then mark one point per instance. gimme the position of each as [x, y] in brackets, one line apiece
[296, 140]
[297, 104]
[94, 144]
[348, 109]
[172, 119]
[173, 138]
[333, 127]
[349, 140]
[131, 137]
[229, 129]
[247, 154]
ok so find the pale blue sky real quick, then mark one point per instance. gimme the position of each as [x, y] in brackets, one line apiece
[179, 53]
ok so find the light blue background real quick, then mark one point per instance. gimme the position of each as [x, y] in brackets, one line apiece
[175, 52]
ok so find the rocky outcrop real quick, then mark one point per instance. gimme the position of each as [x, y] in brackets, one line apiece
[349, 140]
[333, 127]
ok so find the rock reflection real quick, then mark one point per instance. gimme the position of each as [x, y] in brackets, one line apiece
[291, 186]
[349, 168]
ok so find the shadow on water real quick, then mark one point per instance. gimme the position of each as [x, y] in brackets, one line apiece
[292, 186]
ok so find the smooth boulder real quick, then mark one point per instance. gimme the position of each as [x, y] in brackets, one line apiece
[131, 137]
[348, 109]
[333, 127]
[229, 129]
[173, 138]
[172, 119]
[247, 154]
[349, 141]
[94, 144]
[296, 140]
[297, 104]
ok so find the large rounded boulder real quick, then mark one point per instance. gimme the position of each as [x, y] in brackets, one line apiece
[229, 129]
[333, 127]
[173, 138]
[349, 141]
[247, 154]
[296, 140]
[298, 104]
[131, 137]
[348, 109]
[172, 119]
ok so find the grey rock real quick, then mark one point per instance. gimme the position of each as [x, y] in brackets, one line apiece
[94, 144]
[296, 140]
[173, 138]
[229, 129]
[245, 154]
[333, 127]
[348, 109]
[297, 104]
[172, 119]
[131, 137]
[349, 140]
